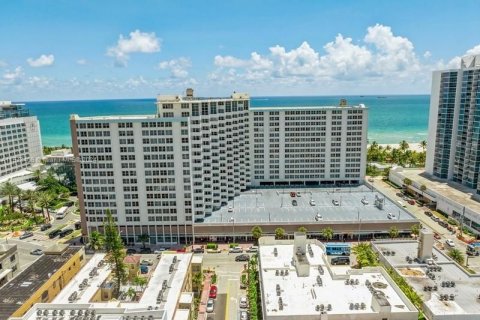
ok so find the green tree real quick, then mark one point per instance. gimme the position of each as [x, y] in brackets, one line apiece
[140, 281]
[407, 182]
[404, 146]
[415, 229]
[393, 232]
[423, 144]
[279, 233]
[257, 233]
[44, 200]
[96, 240]
[302, 229]
[131, 293]
[115, 251]
[143, 238]
[30, 196]
[197, 280]
[365, 255]
[423, 188]
[327, 233]
[456, 255]
[8, 189]
[37, 175]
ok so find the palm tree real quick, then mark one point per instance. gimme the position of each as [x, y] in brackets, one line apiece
[393, 232]
[302, 229]
[96, 240]
[37, 175]
[423, 188]
[327, 233]
[44, 200]
[365, 255]
[19, 193]
[197, 279]
[404, 145]
[456, 255]
[415, 229]
[423, 144]
[257, 233]
[131, 293]
[9, 190]
[140, 281]
[279, 233]
[143, 238]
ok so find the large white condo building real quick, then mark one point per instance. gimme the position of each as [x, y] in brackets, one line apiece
[161, 173]
[20, 144]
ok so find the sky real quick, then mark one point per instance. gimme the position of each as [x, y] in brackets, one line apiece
[90, 49]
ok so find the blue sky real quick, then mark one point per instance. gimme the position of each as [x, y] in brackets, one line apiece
[86, 49]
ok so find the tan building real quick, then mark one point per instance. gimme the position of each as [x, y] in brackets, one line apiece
[8, 262]
[41, 281]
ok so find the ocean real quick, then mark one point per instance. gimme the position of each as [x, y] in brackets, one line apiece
[391, 118]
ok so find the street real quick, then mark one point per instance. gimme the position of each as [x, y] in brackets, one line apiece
[419, 213]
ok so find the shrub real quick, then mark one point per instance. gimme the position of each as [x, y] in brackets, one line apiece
[451, 221]
[213, 246]
[233, 245]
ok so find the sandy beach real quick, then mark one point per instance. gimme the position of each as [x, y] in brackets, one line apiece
[414, 146]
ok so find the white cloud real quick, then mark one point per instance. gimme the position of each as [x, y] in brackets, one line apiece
[380, 57]
[12, 77]
[3, 64]
[427, 54]
[178, 67]
[136, 42]
[82, 62]
[42, 61]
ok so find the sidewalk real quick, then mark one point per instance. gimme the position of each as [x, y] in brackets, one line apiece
[202, 308]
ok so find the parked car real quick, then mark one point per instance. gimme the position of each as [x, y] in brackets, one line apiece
[335, 202]
[198, 250]
[159, 250]
[243, 302]
[65, 232]
[252, 249]
[242, 257]
[131, 251]
[450, 243]
[294, 203]
[236, 250]
[213, 292]
[365, 201]
[54, 233]
[210, 305]
[340, 260]
[428, 213]
[147, 262]
[145, 250]
[26, 235]
[312, 203]
[437, 236]
[45, 226]
[443, 223]
[411, 201]
[36, 252]
[243, 315]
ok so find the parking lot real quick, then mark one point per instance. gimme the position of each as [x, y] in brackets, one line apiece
[331, 204]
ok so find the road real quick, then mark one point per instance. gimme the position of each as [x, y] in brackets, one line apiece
[419, 213]
[228, 283]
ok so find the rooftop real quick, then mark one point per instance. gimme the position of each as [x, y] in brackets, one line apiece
[6, 248]
[19, 289]
[275, 205]
[301, 295]
[466, 287]
[90, 278]
[289, 108]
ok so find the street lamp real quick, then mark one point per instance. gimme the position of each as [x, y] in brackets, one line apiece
[232, 219]
[359, 224]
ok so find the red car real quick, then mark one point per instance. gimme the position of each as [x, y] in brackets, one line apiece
[213, 292]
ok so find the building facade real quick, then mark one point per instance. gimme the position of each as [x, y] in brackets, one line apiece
[21, 145]
[9, 262]
[159, 174]
[454, 130]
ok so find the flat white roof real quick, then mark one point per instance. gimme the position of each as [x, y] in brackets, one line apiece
[28, 186]
[301, 295]
[182, 314]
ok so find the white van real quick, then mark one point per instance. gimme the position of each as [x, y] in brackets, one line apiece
[402, 204]
[61, 213]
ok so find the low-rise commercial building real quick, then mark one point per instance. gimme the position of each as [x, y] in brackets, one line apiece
[166, 295]
[298, 282]
[446, 289]
[453, 199]
[42, 281]
[9, 262]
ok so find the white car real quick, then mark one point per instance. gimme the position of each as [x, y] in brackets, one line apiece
[230, 209]
[159, 250]
[365, 201]
[243, 302]
[252, 249]
[243, 315]
[450, 243]
[312, 203]
[210, 305]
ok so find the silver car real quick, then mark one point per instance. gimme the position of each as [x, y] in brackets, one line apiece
[210, 305]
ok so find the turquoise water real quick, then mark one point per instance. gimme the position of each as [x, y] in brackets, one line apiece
[391, 118]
